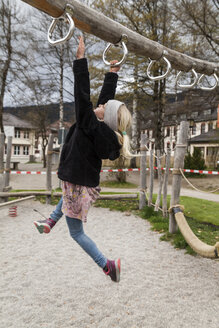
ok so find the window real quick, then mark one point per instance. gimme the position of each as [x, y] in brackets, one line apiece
[16, 150]
[210, 126]
[25, 150]
[5, 149]
[168, 145]
[152, 134]
[207, 112]
[168, 132]
[17, 133]
[174, 145]
[194, 129]
[203, 128]
[194, 114]
[26, 134]
[174, 131]
[183, 116]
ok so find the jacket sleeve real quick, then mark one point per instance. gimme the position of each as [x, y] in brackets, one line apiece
[83, 105]
[109, 88]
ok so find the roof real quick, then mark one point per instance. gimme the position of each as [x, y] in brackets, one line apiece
[211, 136]
[196, 104]
[12, 120]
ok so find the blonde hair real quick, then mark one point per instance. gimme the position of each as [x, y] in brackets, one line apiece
[124, 123]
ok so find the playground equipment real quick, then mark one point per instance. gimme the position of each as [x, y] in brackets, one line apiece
[176, 216]
[12, 212]
[93, 22]
[196, 244]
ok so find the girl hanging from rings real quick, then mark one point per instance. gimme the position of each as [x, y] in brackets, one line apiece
[98, 134]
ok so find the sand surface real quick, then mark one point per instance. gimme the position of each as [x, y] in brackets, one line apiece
[48, 281]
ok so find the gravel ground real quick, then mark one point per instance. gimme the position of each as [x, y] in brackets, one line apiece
[48, 281]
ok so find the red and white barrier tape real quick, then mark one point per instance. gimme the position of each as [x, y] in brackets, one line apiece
[121, 170]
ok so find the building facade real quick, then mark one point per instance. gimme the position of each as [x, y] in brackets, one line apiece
[201, 109]
[23, 138]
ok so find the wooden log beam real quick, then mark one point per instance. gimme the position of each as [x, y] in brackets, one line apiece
[15, 201]
[59, 194]
[94, 22]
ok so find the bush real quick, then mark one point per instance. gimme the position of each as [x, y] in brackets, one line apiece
[194, 162]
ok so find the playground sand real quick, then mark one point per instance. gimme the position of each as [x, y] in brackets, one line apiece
[48, 281]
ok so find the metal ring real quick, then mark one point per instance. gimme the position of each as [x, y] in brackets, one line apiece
[125, 51]
[65, 16]
[208, 88]
[160, 77]
[184, 86]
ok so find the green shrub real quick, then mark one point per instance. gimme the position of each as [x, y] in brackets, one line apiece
[194, 162]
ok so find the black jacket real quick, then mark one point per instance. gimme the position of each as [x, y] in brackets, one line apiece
[88, 140]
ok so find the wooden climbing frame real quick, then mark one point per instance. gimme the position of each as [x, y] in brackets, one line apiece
[94, 22]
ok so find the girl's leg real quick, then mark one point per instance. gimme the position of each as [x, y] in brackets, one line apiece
[77, 233]
[46, 225]
[57, 213]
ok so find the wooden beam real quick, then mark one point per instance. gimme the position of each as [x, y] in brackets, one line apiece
[94, 22]
[46, 7]
[15, 201]
[59, 194]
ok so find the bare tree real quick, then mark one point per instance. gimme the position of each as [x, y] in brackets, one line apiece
[200, 20]
[12, 44]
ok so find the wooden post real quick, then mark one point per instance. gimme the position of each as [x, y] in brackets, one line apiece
[94, 22]
[2, 145]
[177, 177]
[160, 182]
[49, 167]
[165, 184]
[143, 183]
[151, 165]
[8, 162]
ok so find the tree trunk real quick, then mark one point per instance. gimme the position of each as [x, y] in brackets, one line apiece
[2, 146]
[49, 168]
[165, 184]
[6, 65]
[135, 133]
[151, 165]
[134, 128]
[143, 183]
[121, 176]
[8, 162]
[61, 107]
[160, 181]
[177, 177]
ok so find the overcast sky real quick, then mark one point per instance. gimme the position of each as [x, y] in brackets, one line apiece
[24, 6]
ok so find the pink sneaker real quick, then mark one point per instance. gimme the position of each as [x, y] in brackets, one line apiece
[114, 269]
[45, 225]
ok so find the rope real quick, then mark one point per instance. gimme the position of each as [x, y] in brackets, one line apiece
[145, 192]
[194, 186]
[158, 157]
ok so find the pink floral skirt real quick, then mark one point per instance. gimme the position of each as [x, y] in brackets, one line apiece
[78, 199]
